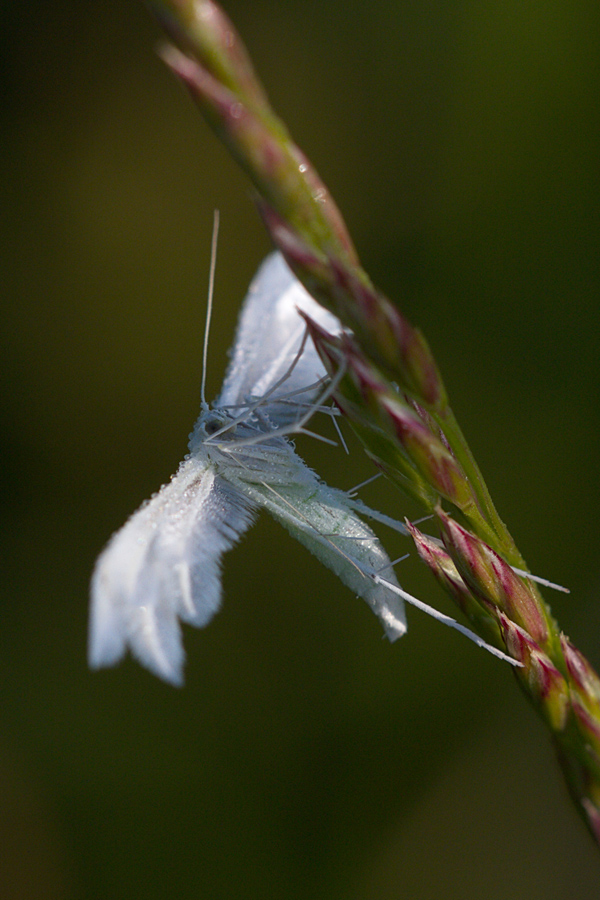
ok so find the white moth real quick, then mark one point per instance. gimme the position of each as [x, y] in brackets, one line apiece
[163, 566]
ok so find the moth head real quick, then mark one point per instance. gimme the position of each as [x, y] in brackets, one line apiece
[214, 421]
[213, 426]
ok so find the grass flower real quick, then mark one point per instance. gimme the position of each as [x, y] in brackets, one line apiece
[392, 394]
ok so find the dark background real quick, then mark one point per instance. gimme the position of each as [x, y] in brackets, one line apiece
[305, 758]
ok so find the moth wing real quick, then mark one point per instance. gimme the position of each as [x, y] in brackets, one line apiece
[322, 519]
[163, 566]
[268, 338]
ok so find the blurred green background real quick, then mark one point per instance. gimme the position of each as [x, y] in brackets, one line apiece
[305, 757]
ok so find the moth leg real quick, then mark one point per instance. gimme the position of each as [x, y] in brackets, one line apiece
[296, 427]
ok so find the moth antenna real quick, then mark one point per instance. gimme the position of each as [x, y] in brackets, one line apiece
[209, 305]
